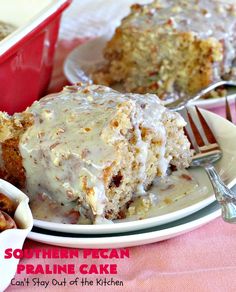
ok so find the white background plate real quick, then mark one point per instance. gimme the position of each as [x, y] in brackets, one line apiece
[225, 133]
[135, 238]
[83, 59]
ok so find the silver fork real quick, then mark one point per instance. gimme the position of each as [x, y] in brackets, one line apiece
[186, 100]
[228, 113]
[205, 155]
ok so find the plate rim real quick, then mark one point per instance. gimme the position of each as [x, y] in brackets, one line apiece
[128, 240]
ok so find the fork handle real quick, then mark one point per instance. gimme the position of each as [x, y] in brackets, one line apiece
[225, 197]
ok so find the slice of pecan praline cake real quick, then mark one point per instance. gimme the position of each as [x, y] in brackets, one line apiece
[92, 146]
[172, 48]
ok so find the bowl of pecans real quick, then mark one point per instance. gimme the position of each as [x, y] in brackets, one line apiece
[16, 221]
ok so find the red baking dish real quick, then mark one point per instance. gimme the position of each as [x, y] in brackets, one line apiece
[26, 56]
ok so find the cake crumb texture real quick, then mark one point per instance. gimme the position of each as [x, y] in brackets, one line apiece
[172, 47]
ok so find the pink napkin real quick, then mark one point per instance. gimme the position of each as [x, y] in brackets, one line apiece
[202, 260]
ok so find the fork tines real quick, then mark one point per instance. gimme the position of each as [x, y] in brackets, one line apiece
[211, 142]
[228, 111]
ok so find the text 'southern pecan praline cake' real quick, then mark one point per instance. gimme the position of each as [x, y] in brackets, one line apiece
[172, 47]
[93, 146]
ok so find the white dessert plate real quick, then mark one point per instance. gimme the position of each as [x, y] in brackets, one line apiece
[134, 238]
[82, 61]
[179, 207]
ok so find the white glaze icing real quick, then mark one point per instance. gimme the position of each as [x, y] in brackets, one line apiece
[72, 138]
